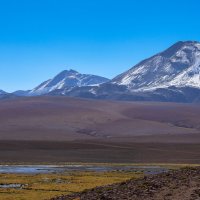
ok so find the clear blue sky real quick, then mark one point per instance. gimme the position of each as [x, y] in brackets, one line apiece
[39, 38]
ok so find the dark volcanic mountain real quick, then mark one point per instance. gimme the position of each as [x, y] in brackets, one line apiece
[65, 81]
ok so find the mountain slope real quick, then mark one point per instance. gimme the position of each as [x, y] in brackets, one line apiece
[65, 81]
[2, 92]
[21, 92]
[6, 95]
[177, 66]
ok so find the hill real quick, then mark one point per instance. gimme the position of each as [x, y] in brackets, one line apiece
[180, 185]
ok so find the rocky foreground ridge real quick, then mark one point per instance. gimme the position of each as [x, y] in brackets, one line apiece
[183, 184]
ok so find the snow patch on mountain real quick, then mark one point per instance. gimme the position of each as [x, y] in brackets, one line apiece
[66, 80]
[177, 66]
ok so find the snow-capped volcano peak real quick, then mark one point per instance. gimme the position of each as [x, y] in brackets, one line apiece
[178, 66]
[66, 80]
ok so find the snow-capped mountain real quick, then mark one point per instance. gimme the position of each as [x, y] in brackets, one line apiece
[65, 81]
[178, 66]
[172, 75]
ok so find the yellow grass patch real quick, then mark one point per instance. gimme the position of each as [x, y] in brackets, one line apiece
[46, 186]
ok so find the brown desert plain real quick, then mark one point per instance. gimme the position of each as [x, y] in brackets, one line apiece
[63, 129]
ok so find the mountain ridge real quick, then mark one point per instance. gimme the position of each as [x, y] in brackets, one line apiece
[171, 75]
[2, 92]
[66, 80]
[160, 70]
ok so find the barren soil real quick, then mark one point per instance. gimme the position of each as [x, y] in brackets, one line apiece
[62, 129]
[183, 184]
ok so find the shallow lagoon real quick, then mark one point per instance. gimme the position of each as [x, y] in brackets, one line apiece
[42, 169]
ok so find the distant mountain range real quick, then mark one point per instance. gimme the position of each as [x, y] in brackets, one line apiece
[172, 75]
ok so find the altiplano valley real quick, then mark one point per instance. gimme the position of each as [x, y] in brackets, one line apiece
[99, 100]
[81, 136]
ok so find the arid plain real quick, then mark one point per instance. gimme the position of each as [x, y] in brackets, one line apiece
[63, 130]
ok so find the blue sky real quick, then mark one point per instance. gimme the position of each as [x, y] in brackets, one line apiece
[40, 38]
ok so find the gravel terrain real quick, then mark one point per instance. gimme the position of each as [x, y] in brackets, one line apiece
[183, 184]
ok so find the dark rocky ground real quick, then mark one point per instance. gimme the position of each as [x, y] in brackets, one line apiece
[183, 184]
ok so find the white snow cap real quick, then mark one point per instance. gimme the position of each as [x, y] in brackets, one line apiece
[178, 66]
